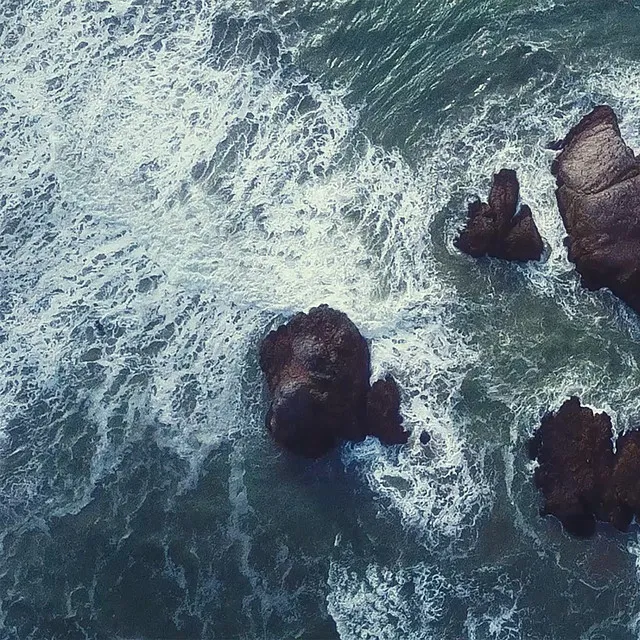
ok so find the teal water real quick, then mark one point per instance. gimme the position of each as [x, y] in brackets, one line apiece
[176, 178]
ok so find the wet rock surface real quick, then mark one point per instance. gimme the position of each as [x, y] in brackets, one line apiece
[497, 229]
[581, 478]
[383, 412]
[317, 368]
[598, 194]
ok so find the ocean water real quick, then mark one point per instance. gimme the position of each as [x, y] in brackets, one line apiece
[177, 177]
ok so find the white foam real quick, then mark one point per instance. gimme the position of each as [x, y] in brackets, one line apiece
[514, 132]
[435, 487]
[465, 153]
[502, 623]
[377, 601]
[385, 603]
[634, 549]
[150, 256]
[147, 197]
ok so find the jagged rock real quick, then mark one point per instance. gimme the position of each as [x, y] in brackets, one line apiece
[425, 437]
[383, 412]
[580, 477]
[317, 368]
[598, 194]
[496, 230]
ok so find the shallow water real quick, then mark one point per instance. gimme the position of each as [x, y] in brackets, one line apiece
[176, 178]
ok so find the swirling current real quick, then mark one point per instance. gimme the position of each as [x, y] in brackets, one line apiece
[177, 177]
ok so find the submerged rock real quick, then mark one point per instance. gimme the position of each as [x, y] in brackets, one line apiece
[496, 229]
[317, 368]
[598, 194]
[581, 478]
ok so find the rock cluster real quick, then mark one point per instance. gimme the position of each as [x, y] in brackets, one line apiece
[497, 229]
[598, 180]
[581, 478]
[317, 368]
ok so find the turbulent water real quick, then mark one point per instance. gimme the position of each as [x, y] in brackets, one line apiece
[177, 177]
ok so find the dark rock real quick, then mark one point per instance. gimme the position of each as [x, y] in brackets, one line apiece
[383, 412]
[626, 479]
[496, 229]
[598, 194]
[573, 447]
[425, 438]
[555, 145]
[580, 477]
[317, 368]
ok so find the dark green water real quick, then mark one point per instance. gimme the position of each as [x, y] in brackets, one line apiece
[176, 178]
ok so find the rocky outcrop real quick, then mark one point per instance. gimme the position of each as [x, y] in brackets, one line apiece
[495, 228]
[317, 368]
[581, 478]
[598, 194]
[383, 412]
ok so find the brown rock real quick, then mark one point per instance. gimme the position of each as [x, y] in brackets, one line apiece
[383, 412]
[496, 230]
[626, 479]
[598, 195]
[580, 477]
[317, 368]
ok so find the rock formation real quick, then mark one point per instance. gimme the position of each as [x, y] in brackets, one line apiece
[580, 476]
[383, 412]
[496, 230]
[317, 368]
[598, 179]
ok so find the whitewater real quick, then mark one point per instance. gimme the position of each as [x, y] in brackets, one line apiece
[179, 177]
